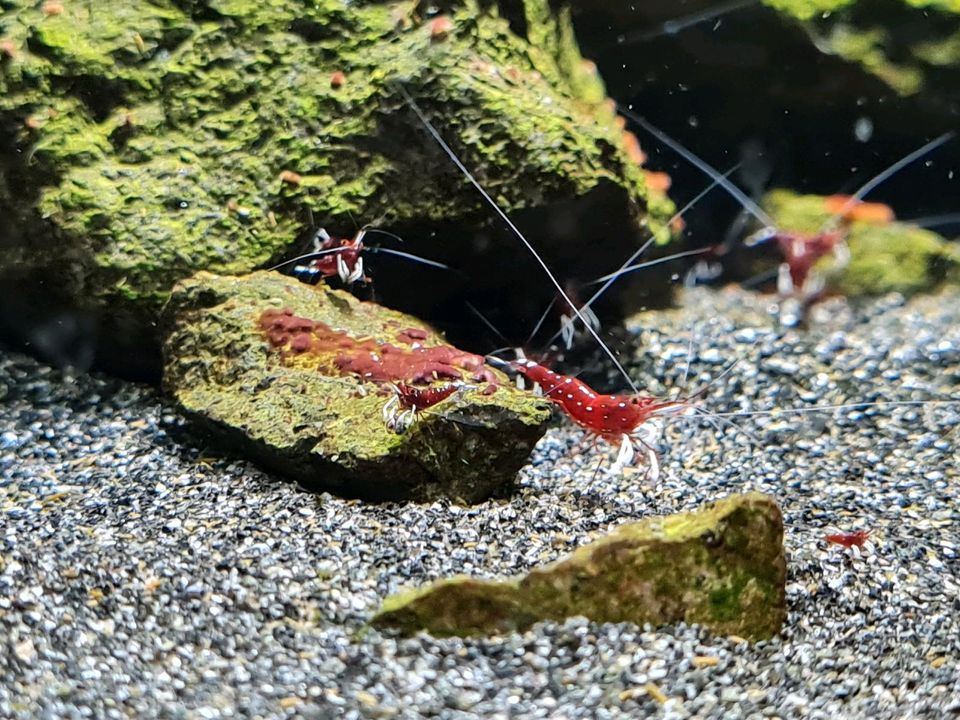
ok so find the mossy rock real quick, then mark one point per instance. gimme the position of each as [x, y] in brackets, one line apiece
[722, 567]
[144, 140]
[883, 43]
[889, 257]
[276, 397]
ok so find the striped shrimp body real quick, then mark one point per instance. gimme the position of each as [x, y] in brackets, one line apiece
[615, 418]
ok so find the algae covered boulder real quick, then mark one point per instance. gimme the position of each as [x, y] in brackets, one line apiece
[722, 567]
[304, 380]
[144, 140]
[885, 256]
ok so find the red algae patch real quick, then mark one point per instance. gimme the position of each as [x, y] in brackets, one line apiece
[339, 353]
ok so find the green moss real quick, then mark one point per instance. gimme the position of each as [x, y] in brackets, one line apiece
[868, 48]
[164, 134]
[808, 9]
[722, 566]
[882, 42]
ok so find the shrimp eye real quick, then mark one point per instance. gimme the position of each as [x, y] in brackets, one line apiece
[635, 401]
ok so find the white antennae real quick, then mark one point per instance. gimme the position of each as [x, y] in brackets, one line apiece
[934, 220]
[408, 256]
[612, 277]
[371, 229]
[736, 193]
[845, 406]
[516, 231]
[672, 27]
[483, 318]
[608, 280]
[308, 256]
[885, 175]
[543, 316]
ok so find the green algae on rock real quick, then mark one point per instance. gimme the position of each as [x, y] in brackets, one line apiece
[266, 366]
[883, 41]
[886, 257]
[722, 566]
[145, 140]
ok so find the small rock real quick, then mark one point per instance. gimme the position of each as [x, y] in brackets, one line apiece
[722, 567]
[300, 378]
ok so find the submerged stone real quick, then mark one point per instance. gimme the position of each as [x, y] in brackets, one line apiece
[722, 566]
[297, 378]
[144, 141]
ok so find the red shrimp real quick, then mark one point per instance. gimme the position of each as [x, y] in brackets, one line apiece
[340, 257]
[848, 540]
[801, 252]
[614, 418]
[401, 410]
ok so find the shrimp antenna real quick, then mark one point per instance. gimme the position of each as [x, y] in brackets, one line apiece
[672, 27]
[729, 423]
[844, 406]
[612, 277]
[885, 175]
[608, 280]
[486, 321]
[723, 373]
[310, 256]
[408, 256]
[736, 193]
[543, 317]
[934, 220]
[516, 231]
[379, 231]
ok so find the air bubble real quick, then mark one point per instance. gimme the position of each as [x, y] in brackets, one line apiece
[863, 129]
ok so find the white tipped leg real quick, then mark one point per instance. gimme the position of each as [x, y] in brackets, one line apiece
[342, 270]
[390, 411]
[653, 462]
[357, 273]
[590, 316]
[404, 421]
[784, 281]
[624, 456]
[567, 331]
[841, 254]
[813, 286]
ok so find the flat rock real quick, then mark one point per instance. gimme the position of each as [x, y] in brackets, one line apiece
[297, 377]
[722, 567]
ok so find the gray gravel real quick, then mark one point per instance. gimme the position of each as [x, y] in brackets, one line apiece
[143, 577]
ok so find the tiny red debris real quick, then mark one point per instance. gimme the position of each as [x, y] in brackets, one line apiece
[337, 79]
[440, 27]
[848, 540]
[290, 177]
[632, 145]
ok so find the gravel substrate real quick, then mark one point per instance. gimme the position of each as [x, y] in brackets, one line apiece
[143, 577]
